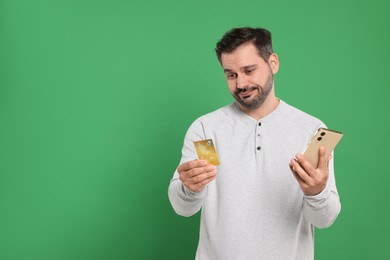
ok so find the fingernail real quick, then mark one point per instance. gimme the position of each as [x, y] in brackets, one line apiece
[295, 159]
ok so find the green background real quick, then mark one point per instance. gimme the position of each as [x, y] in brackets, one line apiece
[96, 96]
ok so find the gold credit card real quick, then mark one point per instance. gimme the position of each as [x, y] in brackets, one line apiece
[206, 151]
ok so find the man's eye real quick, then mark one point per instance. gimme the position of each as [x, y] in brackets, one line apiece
[231, 76]
[249, 71]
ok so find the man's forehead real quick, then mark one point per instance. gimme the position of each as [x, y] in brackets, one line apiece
[244, 55]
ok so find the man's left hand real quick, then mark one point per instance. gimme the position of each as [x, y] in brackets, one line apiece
[312, 180]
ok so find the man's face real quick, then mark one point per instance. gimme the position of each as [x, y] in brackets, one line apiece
[249, 77]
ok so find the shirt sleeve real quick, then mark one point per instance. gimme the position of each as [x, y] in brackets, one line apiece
[184, 201]
[322, 209]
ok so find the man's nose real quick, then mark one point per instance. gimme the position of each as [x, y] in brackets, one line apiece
[241, 82]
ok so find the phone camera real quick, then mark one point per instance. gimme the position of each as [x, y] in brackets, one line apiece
[319, 138]
[323, 133]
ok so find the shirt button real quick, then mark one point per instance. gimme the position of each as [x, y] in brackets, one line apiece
[258, 148]
[259, 123]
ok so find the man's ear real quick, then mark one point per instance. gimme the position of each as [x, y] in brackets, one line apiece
[273, 62]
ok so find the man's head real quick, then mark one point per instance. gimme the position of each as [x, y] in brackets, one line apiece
[249, 64]
[261, 39]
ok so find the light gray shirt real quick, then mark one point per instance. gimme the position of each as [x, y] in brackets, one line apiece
[255, 209]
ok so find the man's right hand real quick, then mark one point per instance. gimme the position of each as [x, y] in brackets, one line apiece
[196, 174]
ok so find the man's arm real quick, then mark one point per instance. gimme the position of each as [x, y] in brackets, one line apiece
[187, 188]
[188, 185]
[321, 204]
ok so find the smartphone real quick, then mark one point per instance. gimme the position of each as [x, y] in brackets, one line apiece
[323, 137]
[206, 151]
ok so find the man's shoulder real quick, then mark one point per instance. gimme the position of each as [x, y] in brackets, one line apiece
[219, 114]
[299, 117]
[215, 120]
[298, 113]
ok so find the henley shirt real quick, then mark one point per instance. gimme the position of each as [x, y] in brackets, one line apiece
[255, 209]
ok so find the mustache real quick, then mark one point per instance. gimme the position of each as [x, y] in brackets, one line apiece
[247, 89]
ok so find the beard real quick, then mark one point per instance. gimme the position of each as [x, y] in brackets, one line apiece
[258, 99]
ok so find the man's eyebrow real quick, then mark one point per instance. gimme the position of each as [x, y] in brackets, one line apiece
[248, 67]
[227, 70]
[242, 68]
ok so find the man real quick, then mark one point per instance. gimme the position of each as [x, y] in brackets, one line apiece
[264, 200]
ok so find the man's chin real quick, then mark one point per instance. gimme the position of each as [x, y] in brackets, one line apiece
[250, 105]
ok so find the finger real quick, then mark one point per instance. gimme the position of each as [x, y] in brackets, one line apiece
[188, 176]
[208, 180]
[201, 185]
[322, 162]
[202, 177]
[299, 179]
[191, 164]
[300, 171]
[305, 164]
[201, 170]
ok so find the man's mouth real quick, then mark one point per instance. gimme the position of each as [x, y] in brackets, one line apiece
[244, 94]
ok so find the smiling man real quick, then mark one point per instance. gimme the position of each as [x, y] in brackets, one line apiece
[266, 198]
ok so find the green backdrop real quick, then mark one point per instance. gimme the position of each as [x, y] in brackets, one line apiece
[96, 97]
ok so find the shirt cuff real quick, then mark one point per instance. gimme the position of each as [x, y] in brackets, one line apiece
[319, 199]
[193, 194]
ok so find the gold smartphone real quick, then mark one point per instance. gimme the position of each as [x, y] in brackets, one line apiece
[206, 151]
[323, 137]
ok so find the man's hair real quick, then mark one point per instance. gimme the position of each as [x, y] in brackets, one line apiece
[260, 37]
